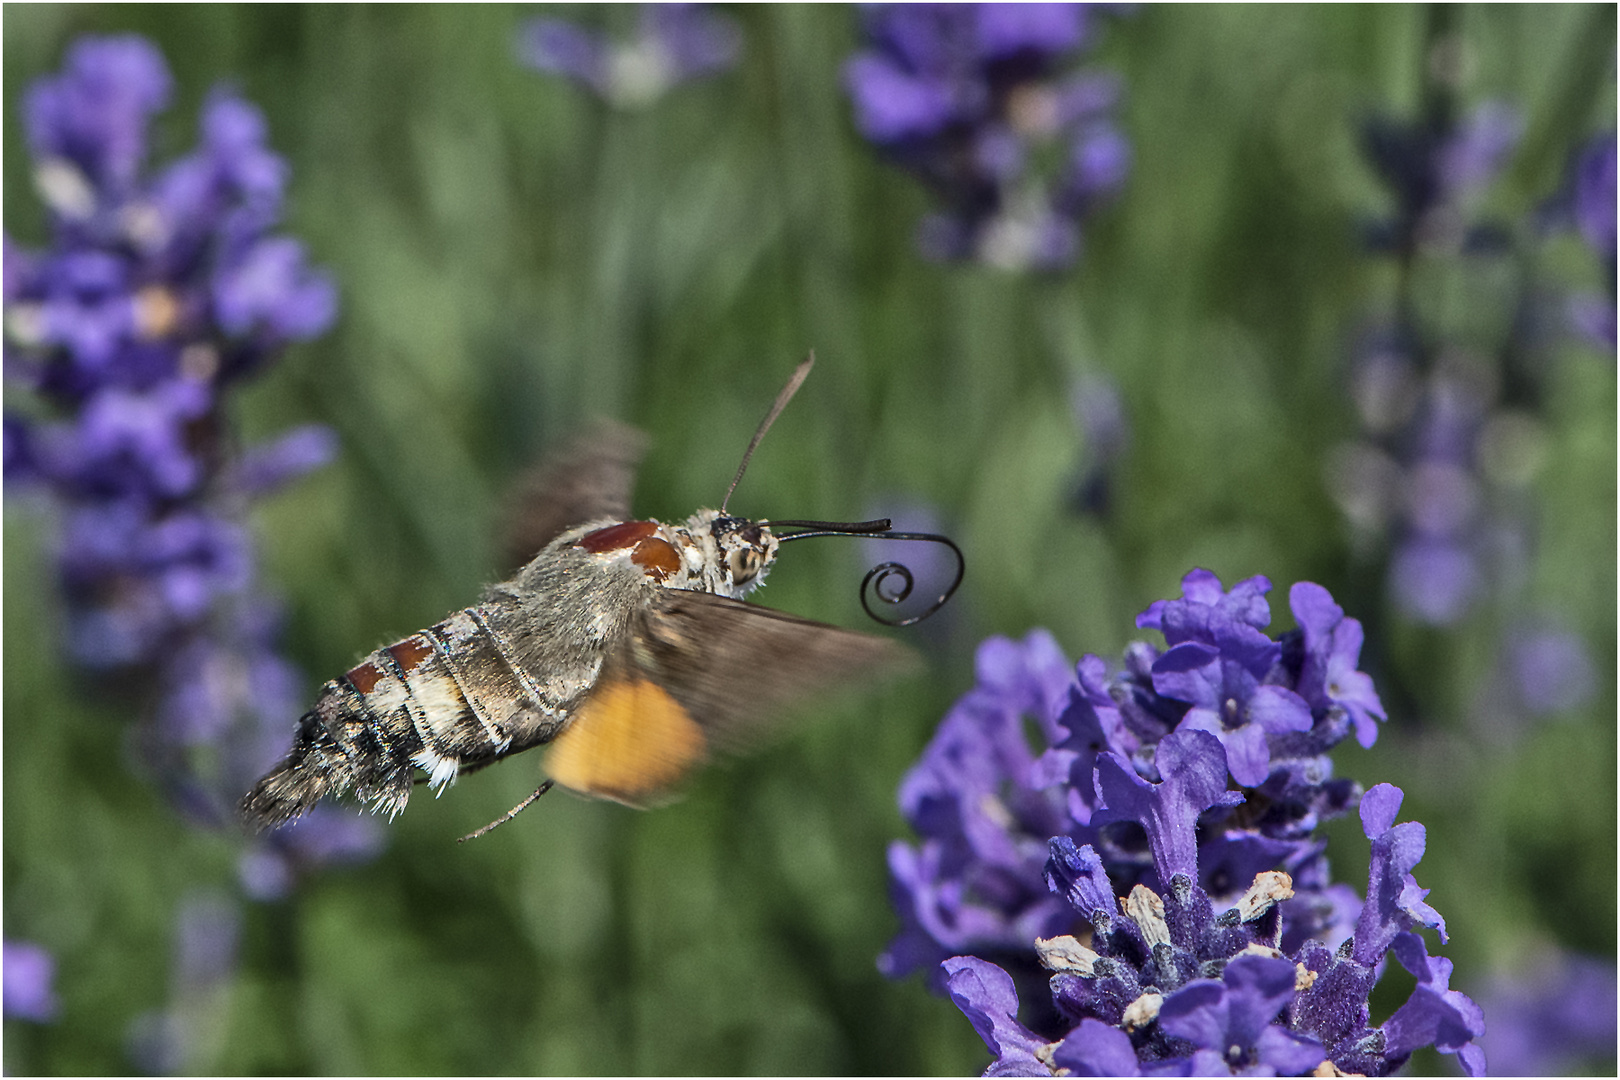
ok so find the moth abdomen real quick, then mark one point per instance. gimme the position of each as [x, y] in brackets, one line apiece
[439, 700]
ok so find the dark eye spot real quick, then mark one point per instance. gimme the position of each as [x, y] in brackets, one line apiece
[744, 564]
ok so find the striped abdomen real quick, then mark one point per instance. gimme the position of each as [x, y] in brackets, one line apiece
[440, 700]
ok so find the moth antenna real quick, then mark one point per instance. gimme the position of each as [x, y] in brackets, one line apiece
[885, 571]
[509, 815]
[792, 387]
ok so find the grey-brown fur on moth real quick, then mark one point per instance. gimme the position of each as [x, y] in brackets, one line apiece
[637, 624]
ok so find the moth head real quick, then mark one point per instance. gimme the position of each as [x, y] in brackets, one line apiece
[736, 552]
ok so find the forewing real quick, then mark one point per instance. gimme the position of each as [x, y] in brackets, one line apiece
[703, 673]
[589, 478]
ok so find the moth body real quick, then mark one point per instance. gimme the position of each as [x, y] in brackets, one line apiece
[509, 673]
[623, 646]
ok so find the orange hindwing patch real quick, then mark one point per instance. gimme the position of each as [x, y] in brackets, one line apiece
[629, 741]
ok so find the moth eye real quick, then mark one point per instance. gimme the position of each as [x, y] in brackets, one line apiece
[744, 564]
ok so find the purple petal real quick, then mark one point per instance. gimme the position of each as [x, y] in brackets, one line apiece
[1277, 709]
[1287, 1053]
[987, 997]
[1189, 672]
[1258, 987]
[1097, 1049]
[1435, 1015]
[1193, 766]
[1328, 676]
[1394, 900]
[1076, 873]
[1247, 755]
[1198, 1013]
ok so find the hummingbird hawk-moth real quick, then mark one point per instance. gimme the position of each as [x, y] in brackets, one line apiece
[623, 644]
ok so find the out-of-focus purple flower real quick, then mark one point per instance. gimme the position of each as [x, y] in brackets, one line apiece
[160, 289]
[933, 566]
[270, 466]
[29, 974]
[271, 287]
[1473, 155]
[92, 118]
[1099, 413]
[1555, 1018]
[673, 43]
[1431, 166]
[1229, 948]
[970, 97]
[207, 929]
[1593, 197]
[1588, 203]
[1552, 670]
[1434, 581]
[977, 798]
[207, 933]
[326, 836]
[1593, 318]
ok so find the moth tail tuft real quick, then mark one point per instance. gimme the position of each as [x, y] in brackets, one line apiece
[315, 767]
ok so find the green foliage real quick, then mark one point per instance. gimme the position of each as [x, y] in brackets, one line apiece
[513, 258]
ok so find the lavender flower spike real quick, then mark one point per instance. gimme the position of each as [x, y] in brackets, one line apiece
[161, 289]
[674, 43]
[1223, 948]
[966, 96]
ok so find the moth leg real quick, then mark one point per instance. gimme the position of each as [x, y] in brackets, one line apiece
[509, 815]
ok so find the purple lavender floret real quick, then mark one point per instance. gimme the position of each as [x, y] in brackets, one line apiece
[673, 43]
[160, 290]
[1190, 923]
[981, 103]
[985, 805]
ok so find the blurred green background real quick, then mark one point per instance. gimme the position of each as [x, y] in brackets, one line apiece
[513, 258]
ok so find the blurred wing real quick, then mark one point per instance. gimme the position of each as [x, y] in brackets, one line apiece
[590, 477]
[703, 673]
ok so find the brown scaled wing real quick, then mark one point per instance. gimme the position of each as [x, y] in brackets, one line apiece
[702, 673]
[588, 478]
